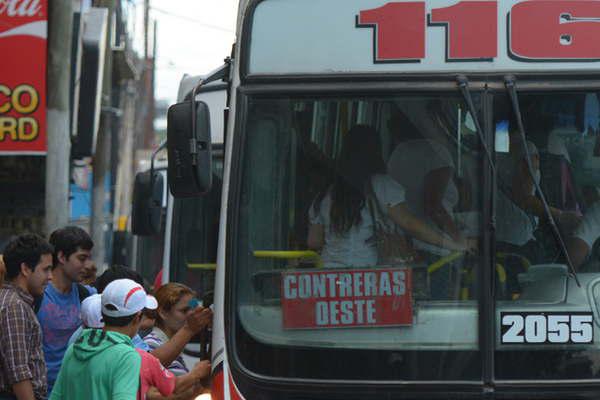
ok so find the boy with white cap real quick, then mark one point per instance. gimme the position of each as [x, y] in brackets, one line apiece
[91, 316]
[103, 364]
[152, 373]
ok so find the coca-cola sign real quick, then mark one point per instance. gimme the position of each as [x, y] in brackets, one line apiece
[20, 8]
[23, 50]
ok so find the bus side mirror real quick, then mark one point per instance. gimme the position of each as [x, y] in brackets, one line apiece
[190, 150]
[148, 208]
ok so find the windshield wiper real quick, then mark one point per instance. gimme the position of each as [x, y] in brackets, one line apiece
[463, 84]
[509, 82]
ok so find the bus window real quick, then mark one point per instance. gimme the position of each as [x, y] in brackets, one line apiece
[195, 236]
[357, 227]
[150, 256]
[557, 315]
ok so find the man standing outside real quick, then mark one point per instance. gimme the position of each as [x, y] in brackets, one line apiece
[60, 310]
[104, 364]
[28, 261]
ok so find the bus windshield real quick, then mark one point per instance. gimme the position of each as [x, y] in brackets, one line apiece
[557, 339]
[359, 220]
[362, 224]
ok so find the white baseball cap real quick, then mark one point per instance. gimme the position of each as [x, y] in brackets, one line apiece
[91, 311]
[124, 297]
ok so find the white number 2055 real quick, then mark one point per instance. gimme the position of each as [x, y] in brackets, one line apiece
[530, 328]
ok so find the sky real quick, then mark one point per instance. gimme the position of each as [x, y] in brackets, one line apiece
[193, 37]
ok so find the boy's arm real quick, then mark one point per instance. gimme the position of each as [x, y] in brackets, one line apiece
[193, 379]
[154, 394]
[23, 390]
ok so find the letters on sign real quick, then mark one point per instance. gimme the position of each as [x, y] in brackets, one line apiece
[399, 21]
[547, 328]
[349, 298]
[541, 30]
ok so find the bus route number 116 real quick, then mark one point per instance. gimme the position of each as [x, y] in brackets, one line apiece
[547, 328]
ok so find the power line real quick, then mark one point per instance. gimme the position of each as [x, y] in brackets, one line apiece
[186, 18]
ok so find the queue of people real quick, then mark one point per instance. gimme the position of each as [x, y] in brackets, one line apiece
[63, 339]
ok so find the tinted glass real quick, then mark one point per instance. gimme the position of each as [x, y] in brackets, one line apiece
[356, 243]
[547, 326]
[195, 237]
[150, 251]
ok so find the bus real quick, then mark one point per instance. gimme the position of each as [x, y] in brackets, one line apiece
[466, 135]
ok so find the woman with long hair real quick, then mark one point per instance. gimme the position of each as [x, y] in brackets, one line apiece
[342, 223]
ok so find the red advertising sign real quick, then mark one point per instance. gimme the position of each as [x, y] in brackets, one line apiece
[348, 298]
[23, 33]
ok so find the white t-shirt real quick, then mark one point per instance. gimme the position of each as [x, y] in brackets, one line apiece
[513, 225]
[589, 229]
[351, 249]
[409, 164]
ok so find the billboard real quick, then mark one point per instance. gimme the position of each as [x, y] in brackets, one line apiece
[23, 45]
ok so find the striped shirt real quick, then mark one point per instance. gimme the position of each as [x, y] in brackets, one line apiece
[157, 338]
[21, 354]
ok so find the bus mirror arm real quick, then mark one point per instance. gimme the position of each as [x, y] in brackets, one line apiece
[162, 146]
[510, 83]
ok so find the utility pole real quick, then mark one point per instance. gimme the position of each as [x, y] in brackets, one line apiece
[99, 220]
[146, 27]
[60, 24]
[147, 82]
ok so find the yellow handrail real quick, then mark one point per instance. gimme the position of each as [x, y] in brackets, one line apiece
[443, 261]
[207, 266]
[524, 261]
[501, 272]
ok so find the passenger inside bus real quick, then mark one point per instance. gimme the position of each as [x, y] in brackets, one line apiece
[423, 164]
[425, 168]
[319, 135]
[557, 136]
[343, 218]
[517, 207]
[580, 245]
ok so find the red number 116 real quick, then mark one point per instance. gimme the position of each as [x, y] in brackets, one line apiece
[538, 30]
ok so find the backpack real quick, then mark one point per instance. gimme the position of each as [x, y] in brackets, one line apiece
[82, 291]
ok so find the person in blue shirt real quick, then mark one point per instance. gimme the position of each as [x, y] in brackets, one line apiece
[59, 313]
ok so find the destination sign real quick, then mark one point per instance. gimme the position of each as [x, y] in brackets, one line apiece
[348, 298]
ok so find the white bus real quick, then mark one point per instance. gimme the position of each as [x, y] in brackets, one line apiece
[476, 122]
